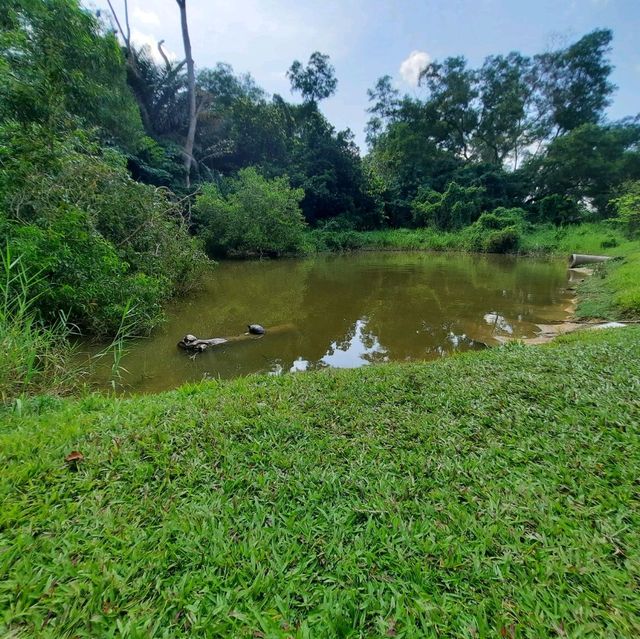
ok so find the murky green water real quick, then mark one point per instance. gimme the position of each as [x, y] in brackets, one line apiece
[348, 311]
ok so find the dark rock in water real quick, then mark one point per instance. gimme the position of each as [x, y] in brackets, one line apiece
[256, 329]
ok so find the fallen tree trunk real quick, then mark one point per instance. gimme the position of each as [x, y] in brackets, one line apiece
[192, 343]
[575, 259]
[197, 345]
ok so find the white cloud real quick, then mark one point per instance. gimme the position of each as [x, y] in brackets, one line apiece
[411, 67]
[141, 39]
[148, 18]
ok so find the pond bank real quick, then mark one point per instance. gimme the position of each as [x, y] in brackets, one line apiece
[549, 332]
[293, 505]
[593, 238]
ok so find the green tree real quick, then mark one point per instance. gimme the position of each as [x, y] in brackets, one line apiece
[456, 207]
[384, 105]
[505, 122]
[315, 82]
[57, 63]
[250, 215]
[587, 165]
[452, 94]
[575, 82]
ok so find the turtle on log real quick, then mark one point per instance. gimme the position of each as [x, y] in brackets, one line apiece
[256, 329]
[197, 345]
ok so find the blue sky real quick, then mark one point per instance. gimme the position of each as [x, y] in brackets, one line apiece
[370, 38]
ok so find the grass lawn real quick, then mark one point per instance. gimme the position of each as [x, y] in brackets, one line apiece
[613, 291]
[492, 494]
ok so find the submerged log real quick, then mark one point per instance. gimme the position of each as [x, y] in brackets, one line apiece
[192, 343]
[575, 259]
[197, 345]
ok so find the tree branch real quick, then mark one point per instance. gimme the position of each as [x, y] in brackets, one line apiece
[126, 37]
[164, 55]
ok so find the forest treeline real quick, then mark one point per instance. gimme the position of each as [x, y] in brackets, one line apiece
[104, 200]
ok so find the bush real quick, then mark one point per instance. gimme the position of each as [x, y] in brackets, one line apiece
[96, 237]
[609, 242]
[498, 231]
[627, 208]
[250, 215]
[336, 240]
[457, 207]
[503, 241]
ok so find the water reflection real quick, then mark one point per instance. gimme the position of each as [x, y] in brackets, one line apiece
[498, 323]
[346, 311]
[362, 347]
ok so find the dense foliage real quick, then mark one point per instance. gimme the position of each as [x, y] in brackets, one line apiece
[98, 241]
[627, 208]
[97, 238]
[250, 215]
[529, 131]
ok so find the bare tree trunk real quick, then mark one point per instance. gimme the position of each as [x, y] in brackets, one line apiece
[191, 80]
[126, 35]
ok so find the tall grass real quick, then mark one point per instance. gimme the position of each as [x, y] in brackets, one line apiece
[117, 349]
[32, 356]
[599, 238]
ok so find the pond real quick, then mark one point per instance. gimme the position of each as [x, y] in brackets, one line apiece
[347, 311]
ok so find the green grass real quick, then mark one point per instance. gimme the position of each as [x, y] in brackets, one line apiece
[613, 291]
[491, 494]
[595, 238]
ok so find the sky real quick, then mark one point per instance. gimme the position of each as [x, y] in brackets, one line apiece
[366, 39]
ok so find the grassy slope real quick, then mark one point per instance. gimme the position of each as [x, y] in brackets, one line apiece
[484, 495]
[613, 292]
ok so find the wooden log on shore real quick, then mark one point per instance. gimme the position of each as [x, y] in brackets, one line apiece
[576, 259]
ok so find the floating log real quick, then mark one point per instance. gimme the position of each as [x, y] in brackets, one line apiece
[192, 343]
[198, 345]
[575, 259]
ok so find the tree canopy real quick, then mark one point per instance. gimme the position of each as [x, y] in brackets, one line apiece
[317, 81]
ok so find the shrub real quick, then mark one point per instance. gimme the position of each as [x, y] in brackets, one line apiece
[456, 207]
[627, 208]
[250, 215]
[609, 242]
[336, 240]
[498, 231]
[97, 237]
[502, 241]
